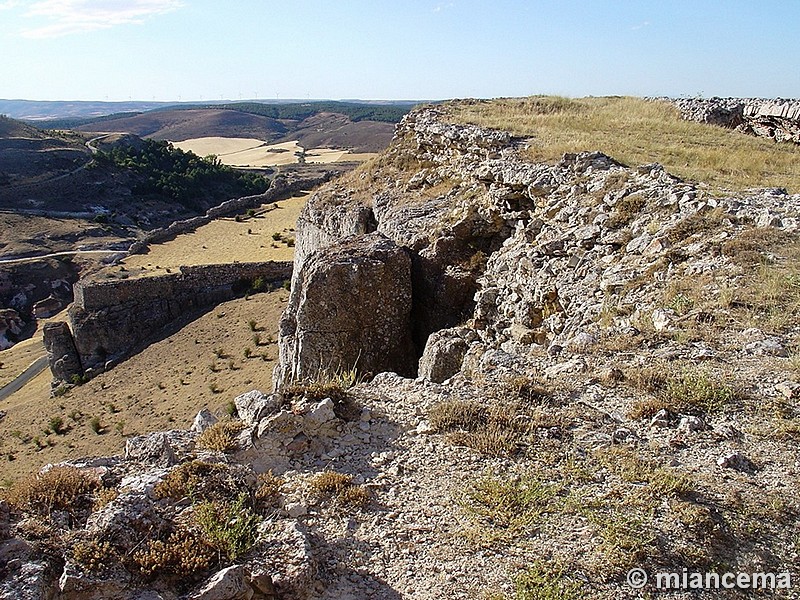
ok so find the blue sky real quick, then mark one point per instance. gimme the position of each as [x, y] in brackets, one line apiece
[380, 49]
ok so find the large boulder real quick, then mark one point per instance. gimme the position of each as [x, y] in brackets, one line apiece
[350, 306]
[61, 352]
[444, 353]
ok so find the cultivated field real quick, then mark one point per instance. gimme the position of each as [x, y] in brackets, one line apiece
[267, 235]
[250, 152]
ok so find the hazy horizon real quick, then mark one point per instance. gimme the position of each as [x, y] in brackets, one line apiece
[202, 51]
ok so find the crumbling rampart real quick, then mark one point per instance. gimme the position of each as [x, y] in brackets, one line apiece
[111, 320]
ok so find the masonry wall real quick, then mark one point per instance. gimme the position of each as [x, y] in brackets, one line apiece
[112, 320]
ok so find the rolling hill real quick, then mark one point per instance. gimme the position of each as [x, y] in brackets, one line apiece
[320, 129]
[179, 125]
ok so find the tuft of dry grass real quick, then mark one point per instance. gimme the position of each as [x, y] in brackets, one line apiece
[451, 415]
[60, 488]
[268, 490]
[221, 436]
[331, 485]
[690, 390]
[200, 481]
[635, 131]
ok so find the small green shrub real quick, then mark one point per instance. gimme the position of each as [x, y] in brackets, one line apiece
[231, 528]
[94, 425]
[56, 425]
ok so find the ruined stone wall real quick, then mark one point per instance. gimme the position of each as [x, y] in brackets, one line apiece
[281, 188]
[777, 119]
[111, 320]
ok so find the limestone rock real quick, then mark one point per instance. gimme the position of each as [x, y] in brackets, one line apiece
[788, 389]
[350, 306]
[203, 420]
[228, 584]
[61, 351]
[153, 449]
[10, 326]
[47, 307]
[31, 581]
[75, 584]
[444, 353]
[125, 520]
[254, 405]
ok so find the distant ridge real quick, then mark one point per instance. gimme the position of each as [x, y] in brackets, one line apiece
[39, 110]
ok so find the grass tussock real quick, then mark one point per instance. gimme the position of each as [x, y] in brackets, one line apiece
[200, 481]
[221, 436]
[329, 383]
[509, 504]
[330, 485]
[498, 426]
[689, 391]
[635, 132]
[60, 488]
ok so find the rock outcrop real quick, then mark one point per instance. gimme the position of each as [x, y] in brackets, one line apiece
[350, 307]
[111, 320]
[65, 363]
[10, 327]
[522, 253]
[775, 119]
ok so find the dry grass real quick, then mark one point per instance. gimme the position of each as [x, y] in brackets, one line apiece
[688, 391]
[635, 132]
[330, 485]
[200, 481]
[221, 436]
[769, 295]
[60, 488]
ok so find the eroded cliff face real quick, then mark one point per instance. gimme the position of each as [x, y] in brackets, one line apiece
[525, 254]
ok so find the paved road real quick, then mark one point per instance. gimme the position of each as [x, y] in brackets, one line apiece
[10, 261]
[39, 365]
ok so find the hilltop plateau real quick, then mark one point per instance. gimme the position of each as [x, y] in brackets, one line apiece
[533, 345]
